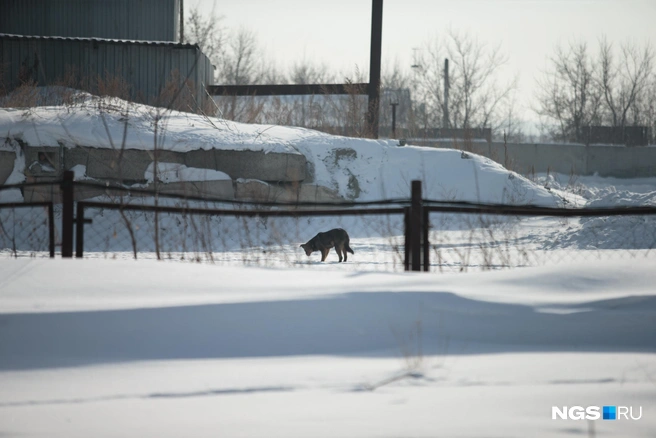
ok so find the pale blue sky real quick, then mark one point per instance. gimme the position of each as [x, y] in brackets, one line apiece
[337, 32]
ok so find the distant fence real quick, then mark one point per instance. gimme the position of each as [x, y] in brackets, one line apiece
[412, 234]
[578, 159]
[624, 135]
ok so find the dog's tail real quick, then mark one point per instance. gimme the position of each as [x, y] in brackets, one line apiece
[348, 248]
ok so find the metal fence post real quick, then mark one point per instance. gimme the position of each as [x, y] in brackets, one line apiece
[79, 230]
[415, 231]
[425, 242]
[406, 234]
[67, 214]
[51, 230]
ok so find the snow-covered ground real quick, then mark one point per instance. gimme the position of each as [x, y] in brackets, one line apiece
[124, 348]
[249, 346]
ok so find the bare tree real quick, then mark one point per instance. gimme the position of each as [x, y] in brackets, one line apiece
[241, 64]
[511, 123]
[476, 97]
[395, 89]
[206, 31]
[567, 98]
[475, 93]
[644, 108]
[427, 80]
[623, 82]
[580, 90]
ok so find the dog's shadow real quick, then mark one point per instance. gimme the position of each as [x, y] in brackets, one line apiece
[319, 262]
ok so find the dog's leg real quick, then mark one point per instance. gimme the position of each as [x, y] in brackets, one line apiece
[324, 254]
[338, 250]
[345, 253]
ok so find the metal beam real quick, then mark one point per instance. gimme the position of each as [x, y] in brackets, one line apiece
[287, 89]
[372, 89]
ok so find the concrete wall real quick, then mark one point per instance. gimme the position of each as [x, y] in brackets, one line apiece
[6, 165]
[254, 175]
[605, 160]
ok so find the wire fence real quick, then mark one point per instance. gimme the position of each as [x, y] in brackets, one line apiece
[27, 229]
[391, 235]
[466, 242]
[249, 235]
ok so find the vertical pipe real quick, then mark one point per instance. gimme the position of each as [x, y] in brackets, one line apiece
[67, 214]
[374, 66]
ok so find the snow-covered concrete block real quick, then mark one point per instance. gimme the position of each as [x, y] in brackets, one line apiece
[104, 163]
[76, 156]
[317, 193]
[44, 193]
[42, 161]
[130, 165]
[252, 190]
[217, 189]
[7, 160]
[52, 192]
[272, 166]
[260, 191]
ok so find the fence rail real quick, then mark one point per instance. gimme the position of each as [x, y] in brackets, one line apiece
[415, 233]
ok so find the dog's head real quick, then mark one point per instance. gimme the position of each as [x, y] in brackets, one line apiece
[308, 249]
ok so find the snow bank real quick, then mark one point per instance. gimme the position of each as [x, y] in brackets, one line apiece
[615, 232]
[103, 348]
[358, 169]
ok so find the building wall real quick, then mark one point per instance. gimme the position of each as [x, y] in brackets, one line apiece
[145, 67]
[152, 20]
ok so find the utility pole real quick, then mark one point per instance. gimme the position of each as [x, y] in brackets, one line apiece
[445, 110]
[374, 66]
[181, 21]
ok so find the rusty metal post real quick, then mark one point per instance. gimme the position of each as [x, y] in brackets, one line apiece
[416, 216]
[67, 214]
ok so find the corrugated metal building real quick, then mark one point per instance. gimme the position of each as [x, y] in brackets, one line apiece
[146, 67]
[88, 43]
[152, 20]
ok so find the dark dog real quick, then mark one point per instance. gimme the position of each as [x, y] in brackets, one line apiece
[337, 238]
